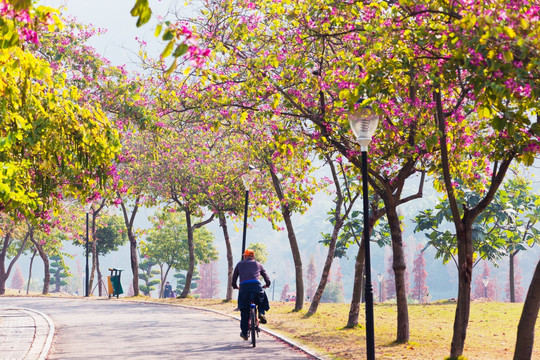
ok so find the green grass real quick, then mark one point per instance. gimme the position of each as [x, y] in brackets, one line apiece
[491, 332]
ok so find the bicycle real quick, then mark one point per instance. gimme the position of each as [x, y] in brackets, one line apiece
[254, 331]
[253, 324]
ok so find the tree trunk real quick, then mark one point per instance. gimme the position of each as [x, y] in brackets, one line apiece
[191, 251]
[399, 267]
[4, 274]
[191, 244]
[3, 255]
[57, 281]
[465, 256]
[99, 276]
[230, 264]
[134, 262]
[93, 270]
[132, 244]
[461, 319]
[163, 277]
[95, 261]
[354, 310]
[297, 261]
[333, 240]
[162, 281]
[30, 271]
[45, 258]
[464, 243]
[463, 226]
[166, 276]
[328, 263]
[286, 213]
[511, 278]
[3, 279]
[47, 278]
[527, 322]
[359, 283]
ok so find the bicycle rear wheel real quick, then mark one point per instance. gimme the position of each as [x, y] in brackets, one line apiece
[253, 325]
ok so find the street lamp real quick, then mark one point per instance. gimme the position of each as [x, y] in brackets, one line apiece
[380, 276]
[247, 179]
[87, 209]
[485, 280]
[363, 122]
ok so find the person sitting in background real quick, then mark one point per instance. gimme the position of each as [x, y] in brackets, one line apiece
[167, 291]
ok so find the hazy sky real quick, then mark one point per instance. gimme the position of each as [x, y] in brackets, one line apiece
[118, 44]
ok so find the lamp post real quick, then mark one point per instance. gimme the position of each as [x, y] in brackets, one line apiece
[247, 179]
[380, 276]
[363, 122]
[485, 280]
[273, 284]
[87, 209]
[86, 291]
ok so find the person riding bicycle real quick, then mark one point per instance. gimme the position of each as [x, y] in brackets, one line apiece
[251, 289]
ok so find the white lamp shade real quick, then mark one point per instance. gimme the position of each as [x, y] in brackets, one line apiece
[88, 207]
[248, 178]
[485, 280]
[363, 123]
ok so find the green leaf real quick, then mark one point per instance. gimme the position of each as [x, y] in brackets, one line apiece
[535, 129]
[344, 94]
[168, 35]
[158, 30]
[172, 68]
[499, 123]
[168, 49]
[509, 32]
[142, 10]
[11, 38]
[484, 112]
[180, 50]
[528, 159]
[432, 142]
[20, 4]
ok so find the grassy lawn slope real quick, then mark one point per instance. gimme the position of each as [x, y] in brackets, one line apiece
[491, 333]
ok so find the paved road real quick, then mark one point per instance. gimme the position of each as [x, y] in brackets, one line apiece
[97, 329]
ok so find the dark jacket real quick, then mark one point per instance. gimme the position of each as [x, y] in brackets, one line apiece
[249, 271]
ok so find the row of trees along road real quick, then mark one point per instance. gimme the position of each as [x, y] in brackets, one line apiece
[455, 93]
[455, 86]
[56, 144]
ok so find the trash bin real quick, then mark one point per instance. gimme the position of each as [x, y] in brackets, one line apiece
[115, 286]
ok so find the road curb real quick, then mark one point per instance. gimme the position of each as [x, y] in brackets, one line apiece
[283, 338]
[48, 342]
[40, 344]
